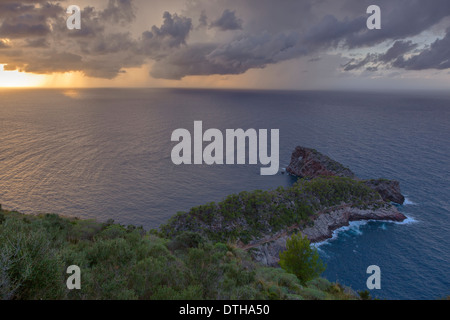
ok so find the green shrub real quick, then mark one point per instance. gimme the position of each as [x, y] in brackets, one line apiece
[313, 294]
[186, 240]
[365, 295]
[123, 263]
[168, 293]
[30, 268]
[320, 284]
[84, 230]
[300, 259]
[279, 277]
[113, 232]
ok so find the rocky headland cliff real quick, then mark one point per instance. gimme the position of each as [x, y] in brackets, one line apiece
[309, 163]
[326, 197]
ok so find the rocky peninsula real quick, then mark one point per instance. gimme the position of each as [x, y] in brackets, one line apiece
[238, 239]
[309, 163]
[326, 197]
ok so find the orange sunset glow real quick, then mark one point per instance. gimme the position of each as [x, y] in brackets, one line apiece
[187, 151]
[16, 79]
[190, 44]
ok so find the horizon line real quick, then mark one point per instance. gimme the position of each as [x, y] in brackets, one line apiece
[350, 90]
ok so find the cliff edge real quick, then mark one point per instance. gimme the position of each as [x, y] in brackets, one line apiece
[309, 163]
[327, 197]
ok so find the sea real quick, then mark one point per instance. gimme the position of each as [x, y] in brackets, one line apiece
[106, 154]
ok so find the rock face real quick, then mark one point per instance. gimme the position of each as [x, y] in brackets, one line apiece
[261, 222]
[325, 224]
[389, 190]
[309, 163]
[268, 252]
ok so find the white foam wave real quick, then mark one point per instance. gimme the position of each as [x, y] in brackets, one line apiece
[408, 202]
[354, 228]
[408, 220]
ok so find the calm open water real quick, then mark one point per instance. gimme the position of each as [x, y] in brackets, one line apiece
[105, 154]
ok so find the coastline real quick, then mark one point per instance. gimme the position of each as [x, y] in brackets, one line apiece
[325, 225]
[266, 251]
[259, 223]
[128, 263]
[326, 197]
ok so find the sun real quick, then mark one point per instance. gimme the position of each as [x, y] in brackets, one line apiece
[16, 79]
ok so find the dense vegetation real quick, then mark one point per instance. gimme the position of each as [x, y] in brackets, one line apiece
[119, 262]
[301, 259]
[249, 215]
[194, 256]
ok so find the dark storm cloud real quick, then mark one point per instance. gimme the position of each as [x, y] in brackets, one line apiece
[435, 57]
[259, 15]
[357, 64]
[228, 21]
[22, 19]
[110, 43]
[23, 30]
[37, 43]
[172, 34]
[55, 62]
[92, 25]
[400, 19]
[119, 11]
[327, 30]
[96, 50]
[243, 53]
[264, 32]
[203, 20]
[189, 60]
[396, 52]
[12, 8]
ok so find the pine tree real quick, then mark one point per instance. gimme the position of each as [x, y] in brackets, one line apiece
[301, 260]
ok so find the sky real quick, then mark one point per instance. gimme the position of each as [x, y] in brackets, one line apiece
[250, 44]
